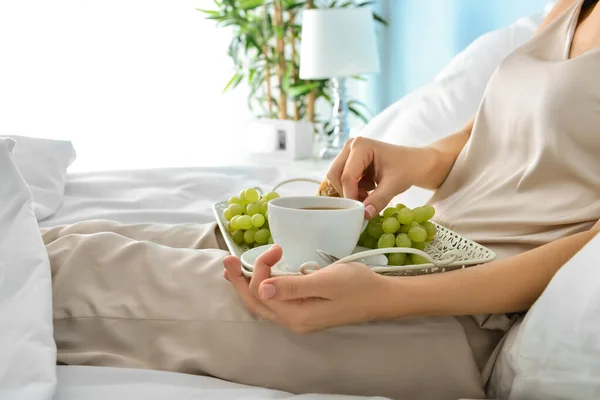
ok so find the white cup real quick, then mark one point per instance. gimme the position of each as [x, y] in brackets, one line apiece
[301, 230]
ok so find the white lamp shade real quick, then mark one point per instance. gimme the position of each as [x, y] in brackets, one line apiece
[337, 43]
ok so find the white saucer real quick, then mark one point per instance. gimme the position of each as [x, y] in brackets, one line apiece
[281, 268]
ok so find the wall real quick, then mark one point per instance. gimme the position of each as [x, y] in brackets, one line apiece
[424, 35]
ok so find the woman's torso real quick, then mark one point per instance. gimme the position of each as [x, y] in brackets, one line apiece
[530, 173]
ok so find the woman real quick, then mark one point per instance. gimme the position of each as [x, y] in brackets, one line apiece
[523, 178]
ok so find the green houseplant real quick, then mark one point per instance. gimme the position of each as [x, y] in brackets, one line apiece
[264, 51]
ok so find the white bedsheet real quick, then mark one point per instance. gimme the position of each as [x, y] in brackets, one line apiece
[169, 196]
[180, 195]
[100, 383]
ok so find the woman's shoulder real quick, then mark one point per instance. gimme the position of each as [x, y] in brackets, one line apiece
[557, 10]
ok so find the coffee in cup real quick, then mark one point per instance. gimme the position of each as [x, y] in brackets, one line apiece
[303, 225]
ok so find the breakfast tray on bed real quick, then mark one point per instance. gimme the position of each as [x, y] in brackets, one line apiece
[465, 251]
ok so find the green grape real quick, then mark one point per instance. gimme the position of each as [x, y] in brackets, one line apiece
[227, 214]
[236, 200]
[233, 222]
[429, 228]
[417, 259]
[251, 195]
[415, 224]
[429, 212]
[271, 195]
[264, 207]
[417, 234]
[405, 216]
[419, 245]
[242, 198]
[386, 240]
[262, 236]
[266, 217]
[404, 228]
[258, 220]
[402, 240]
[361, 239]
[236, 209]
[390, 225]
[271, 240]
[388, 212]
[370, 242]
[375, 230]
[429, 239]
[244, 222]
[400, 206]
[376, 219]
[396, 259]
[420, 214]
[238, 236]
[249, 235]
[253, 208]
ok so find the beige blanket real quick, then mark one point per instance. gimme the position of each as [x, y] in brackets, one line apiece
[153, 296]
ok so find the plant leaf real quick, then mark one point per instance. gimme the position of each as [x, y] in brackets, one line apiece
[232, 82]
[380, 19]
[365, 3]
[358, 114]
[301, 90]
[250, 4]
[212, 13]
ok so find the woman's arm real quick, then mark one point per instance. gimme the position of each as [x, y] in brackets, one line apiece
[503, 286]
[440, 157]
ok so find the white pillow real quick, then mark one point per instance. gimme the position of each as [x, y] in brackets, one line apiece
[445, 105]
[555, 353]
[27, 349]
[43, 164]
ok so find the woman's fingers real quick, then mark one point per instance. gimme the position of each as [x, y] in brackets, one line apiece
[379, 198]
[334, 175]
[262, 267]
[233, 267]
[359, 160]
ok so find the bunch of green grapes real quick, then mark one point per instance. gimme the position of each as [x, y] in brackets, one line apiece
[400, 226]
[248, 219]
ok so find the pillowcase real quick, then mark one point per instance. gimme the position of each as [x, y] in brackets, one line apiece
[43, 164]
[555, 352]
[445, 105]
[27, 349]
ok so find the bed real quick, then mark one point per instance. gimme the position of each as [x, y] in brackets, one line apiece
[164, 196]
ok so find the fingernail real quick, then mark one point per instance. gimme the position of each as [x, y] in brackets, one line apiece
[226, 263]
[370, 210]
[267, 291]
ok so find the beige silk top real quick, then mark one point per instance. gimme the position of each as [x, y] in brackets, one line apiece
[530, 173]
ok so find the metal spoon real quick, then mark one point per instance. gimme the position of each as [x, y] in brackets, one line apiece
[330, 258]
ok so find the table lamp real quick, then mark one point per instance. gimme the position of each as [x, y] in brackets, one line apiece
[337, 43]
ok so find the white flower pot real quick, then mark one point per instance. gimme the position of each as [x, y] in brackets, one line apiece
[293, 139]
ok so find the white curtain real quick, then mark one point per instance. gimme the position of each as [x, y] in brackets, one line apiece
[133, 83]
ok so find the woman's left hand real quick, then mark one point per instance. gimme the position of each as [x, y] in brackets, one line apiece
[340, 294]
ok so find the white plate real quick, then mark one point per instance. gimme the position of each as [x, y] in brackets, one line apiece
[281, 268]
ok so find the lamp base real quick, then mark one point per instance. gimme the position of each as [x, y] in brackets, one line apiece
[329, 152]
[341, 130]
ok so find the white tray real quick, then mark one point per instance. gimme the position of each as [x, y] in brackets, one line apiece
[469, 252]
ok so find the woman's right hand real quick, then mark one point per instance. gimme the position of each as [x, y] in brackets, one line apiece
[366, 165]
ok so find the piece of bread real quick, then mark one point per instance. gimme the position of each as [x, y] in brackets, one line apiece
[326, 189]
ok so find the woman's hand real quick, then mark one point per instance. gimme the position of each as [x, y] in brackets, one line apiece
[365, 164]
[340, 294]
